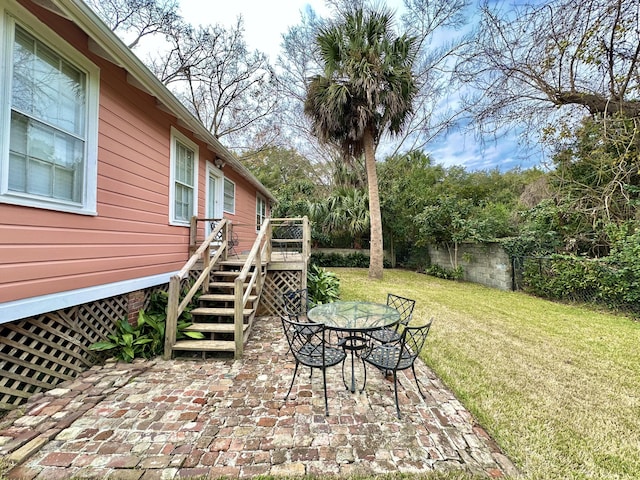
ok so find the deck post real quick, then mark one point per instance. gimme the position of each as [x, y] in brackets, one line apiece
[206, 261]
[172, 316]
[238, 317]
[306, 250]
[225, 236]
[193, 234]
[269, 239]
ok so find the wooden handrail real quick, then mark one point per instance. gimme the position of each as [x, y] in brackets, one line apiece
[175, 307]
[259, 256]
[241, 295]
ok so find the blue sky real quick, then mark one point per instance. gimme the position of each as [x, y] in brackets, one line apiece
[265, 23]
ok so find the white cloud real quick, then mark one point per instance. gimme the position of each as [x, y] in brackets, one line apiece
[264, 21]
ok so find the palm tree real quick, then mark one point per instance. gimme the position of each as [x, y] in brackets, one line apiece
[365, 91]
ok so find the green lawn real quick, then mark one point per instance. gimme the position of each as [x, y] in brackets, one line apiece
[557, 386]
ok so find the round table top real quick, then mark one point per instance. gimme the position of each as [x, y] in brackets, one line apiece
[356, 316]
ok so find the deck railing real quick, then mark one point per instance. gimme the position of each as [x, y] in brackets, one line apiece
[175, 307]
[258, 257]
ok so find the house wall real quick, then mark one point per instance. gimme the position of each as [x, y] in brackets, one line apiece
[44, 252]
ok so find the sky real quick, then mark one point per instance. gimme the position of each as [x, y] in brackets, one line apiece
[266, 21]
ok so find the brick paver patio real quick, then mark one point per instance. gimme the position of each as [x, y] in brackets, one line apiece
[187, 418]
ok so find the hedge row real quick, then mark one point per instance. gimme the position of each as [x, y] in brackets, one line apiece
[576, 279]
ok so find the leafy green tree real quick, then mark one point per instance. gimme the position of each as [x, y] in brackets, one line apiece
[407, 185]
[343, 216]
[365, 90]
[449, 222]
[597, 183]
[277, 167]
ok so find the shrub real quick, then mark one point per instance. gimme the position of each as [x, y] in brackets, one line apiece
[323, 286]
[609, 282]
[350, 260]
[145, 339]
[439, 272]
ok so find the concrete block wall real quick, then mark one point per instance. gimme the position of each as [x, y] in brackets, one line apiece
[487, 264]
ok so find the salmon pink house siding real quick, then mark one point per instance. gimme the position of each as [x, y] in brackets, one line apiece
[125, 225]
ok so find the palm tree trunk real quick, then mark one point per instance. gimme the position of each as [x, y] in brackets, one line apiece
[375, 218]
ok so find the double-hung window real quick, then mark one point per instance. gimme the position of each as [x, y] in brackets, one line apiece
[48, 121]
[229, 196]
[261, 211]
[184, 179]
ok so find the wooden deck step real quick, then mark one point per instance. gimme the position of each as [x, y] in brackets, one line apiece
[219, 311]
[223, 285]
[205, 345]
[224, 273]
[232, 263]
[223, 297]
[214, 327]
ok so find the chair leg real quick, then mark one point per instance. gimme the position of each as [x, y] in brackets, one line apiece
[395, 388]
[292, 380]
[324, 383]
[413, 369]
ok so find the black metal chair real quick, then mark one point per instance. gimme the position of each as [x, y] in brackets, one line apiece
[309, 344]
[405, 307]
[296, 303]
[397, 355]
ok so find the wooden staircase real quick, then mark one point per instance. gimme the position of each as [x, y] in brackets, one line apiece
[214, 317]
[227, 291]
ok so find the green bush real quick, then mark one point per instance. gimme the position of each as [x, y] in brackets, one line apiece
[439, 272]
[350, 260]
[612, 282]
[145, 339]
[323, 286]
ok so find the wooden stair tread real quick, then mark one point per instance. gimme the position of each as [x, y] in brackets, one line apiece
[205, 345]
[225, 284]
[214, 327]
[224, 297]
[224, 273]
[219, 311]
[233, 263]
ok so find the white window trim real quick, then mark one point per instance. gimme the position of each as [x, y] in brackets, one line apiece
[212, 170]
[11, 14]
[266, 209]
[177, 135]
[235, 194]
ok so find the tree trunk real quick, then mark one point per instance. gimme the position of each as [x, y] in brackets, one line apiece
[375, 218]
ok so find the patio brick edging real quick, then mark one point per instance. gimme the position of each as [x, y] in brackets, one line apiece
[25, 430]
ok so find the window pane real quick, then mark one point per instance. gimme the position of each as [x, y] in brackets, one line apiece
[39, 178]
[47, 87]
[17, 173]
[229, 196]
[184, 164]
[47, 130]
[183, 202]
[63, 183]
[35, 150]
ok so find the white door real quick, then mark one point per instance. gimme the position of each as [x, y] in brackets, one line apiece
[214, 195]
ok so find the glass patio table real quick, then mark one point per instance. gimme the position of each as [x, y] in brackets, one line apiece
[354, 320]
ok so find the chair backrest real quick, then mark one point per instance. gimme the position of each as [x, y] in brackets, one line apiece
[296, 302]
[403, 305]
[305, 339]
[413, 339]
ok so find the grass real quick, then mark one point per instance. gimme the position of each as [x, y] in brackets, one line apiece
[557, 386]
